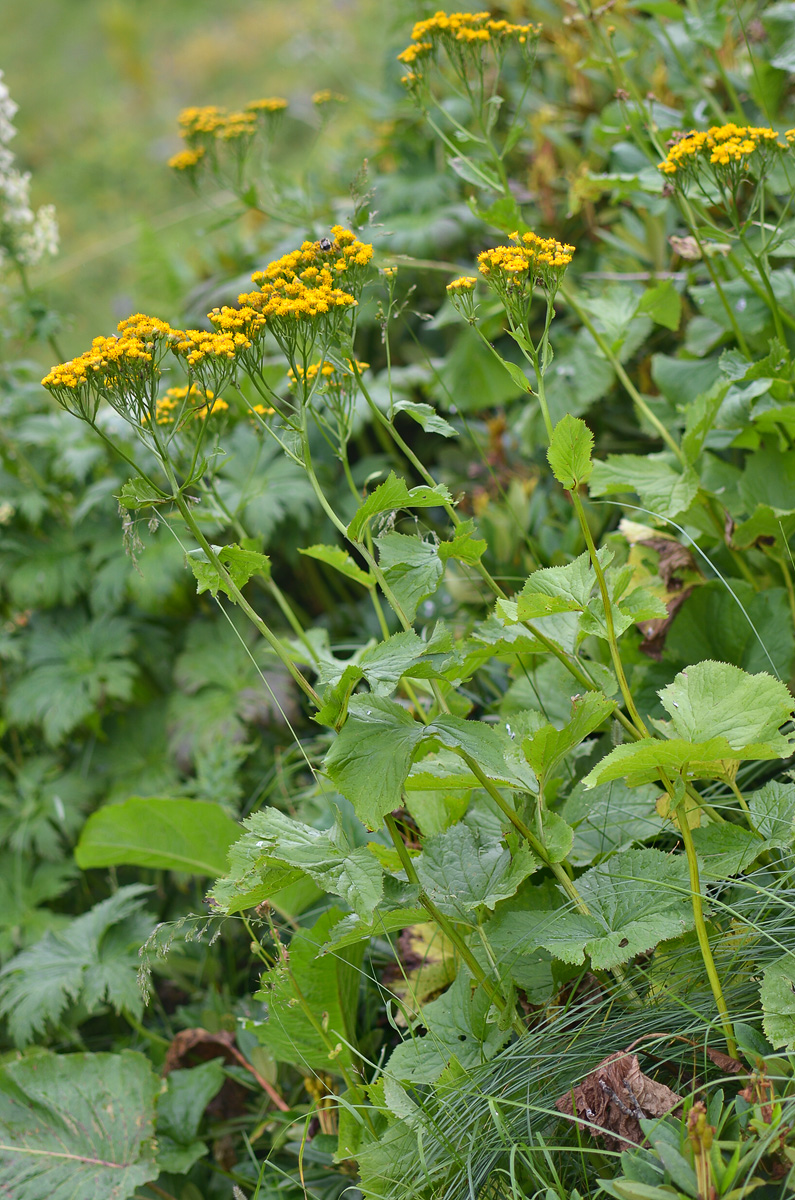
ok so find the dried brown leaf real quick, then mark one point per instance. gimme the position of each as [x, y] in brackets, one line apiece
[615, 1097]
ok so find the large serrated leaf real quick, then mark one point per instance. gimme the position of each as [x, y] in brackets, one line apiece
[462, 869]
[778, 1002]
[636, 899]
[77, 1126]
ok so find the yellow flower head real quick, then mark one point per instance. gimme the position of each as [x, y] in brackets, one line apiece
[457, 32]
[326, 96]
[513, 271]
[465, 283]
[186, 160]
[271, 104]
[722, 146]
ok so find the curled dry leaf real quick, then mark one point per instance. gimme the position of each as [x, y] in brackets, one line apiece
[193, 1046]
[615, 1097]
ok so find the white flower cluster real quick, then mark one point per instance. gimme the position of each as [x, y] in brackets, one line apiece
[25, 236]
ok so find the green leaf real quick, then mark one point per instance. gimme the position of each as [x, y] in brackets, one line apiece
[569, 452]
[663, 304]
[393, 494]
[77, 1125]
[560, 589]
[163, 834]
[462, 870]
[73, 666]
[492, 749]
[413, 568]
[642, 762]
[93, 961]
[725, 850]
[773, 812]
[464, 546]
[335, 556]
[427, 417]
[329, 985]
[240, 565]
[547, 747]
[458, 1026]
[179, 1114]
[371, 756]
[275, 845]
[140, 493]
[352, 929]
[778, 1002]
[610, 817]
[663, 488]
[636, 899]
[714, 699]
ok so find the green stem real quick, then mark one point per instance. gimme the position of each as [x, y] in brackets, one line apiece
[701, 928]
[446, 926]
[617, 366]
[612, 640]
[236, 595]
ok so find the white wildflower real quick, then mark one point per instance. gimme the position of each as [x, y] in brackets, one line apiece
[8, 111]
[25, 238]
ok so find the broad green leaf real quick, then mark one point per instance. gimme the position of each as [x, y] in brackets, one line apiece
[239, 564]
[635, 899]
[94, 961]
[462, 870]
[610, 817]
[567, 589]
[773, 812]
[393, 494]
[371, 756]
[413, 568]
[159, 833]
[335, 556]
[712, 624]
[663, 304]
[274, 845]
[714, 699]
[140, 493]
[555, 833]
[661, 485]
[641, 762]
[725, 850]
[427, 417]
[545, 748]
[569, 452]
[492, 749]
[778, 1002]
[457, 1026]
[179, 1114]
[402, 654]
[77, 1126]
[329, 985]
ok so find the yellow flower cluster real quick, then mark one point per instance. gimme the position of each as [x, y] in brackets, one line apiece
[201, 404]
[470, 27]
[458, 33]
[531, 253]
[303, 285]
[198, 345]
[186, 160]
[465, 283]
[326, 96]
[328, 373]
[271, 104]
[720, 145]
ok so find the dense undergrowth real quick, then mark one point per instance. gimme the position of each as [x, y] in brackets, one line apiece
[447, 547]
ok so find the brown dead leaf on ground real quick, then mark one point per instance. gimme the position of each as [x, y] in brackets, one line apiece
[615, 1097]
[193, 1046]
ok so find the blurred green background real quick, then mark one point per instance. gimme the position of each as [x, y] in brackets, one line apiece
[100, 83]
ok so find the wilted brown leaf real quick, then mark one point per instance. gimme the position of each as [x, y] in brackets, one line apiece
[193, 1046]
[615, 1097]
